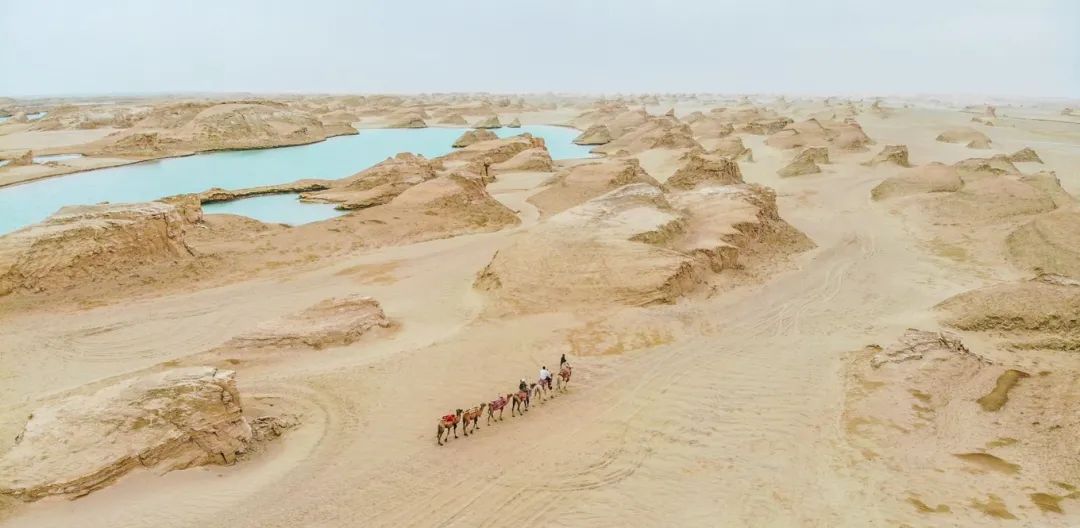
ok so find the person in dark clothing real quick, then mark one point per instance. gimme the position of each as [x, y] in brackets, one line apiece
[562, 362]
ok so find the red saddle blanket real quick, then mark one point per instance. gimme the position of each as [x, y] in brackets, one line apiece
[449, 419]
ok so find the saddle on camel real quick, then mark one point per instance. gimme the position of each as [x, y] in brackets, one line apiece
[497, 405]
[446, 423]
[472, 417]
[564, 376]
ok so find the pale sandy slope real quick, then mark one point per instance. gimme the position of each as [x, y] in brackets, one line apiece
[732, 419]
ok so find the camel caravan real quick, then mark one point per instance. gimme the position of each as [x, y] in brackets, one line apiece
[469, 419]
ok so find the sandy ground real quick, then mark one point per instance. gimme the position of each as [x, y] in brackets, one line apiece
[723, 411]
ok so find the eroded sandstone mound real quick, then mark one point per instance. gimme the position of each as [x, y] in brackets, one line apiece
[806, 162]
[453, 119]
[931, 178]
[930, 405]
[172, 420]
[516, 123]
[200, 126]
[595, 135]
[488, 122]
[530, 160]
[731, 146]
[637, 245]
[473, 136]
[654, 133]
[846, 135]
[974, 190]
[1025, 154]
[377, 185]
[85, 244]
[1049, 243]
[26, 158]
[1035, 313]
[701, 169]
[580, 183]
[891, 155]
[333, 322]
[409, 121]
[966, 135]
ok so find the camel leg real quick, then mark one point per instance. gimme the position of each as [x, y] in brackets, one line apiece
[438, 435]
[455, 431]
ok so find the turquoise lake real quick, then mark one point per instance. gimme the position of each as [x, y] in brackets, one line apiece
[334, 158]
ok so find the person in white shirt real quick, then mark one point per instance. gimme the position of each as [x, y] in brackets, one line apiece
[545, 376]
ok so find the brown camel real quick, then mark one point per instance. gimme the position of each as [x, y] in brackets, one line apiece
[446, 423]
[519, 402]
[564, 377]
[472, 417]
[498, 405]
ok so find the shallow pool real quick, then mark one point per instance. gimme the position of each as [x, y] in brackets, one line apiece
[56, 157]
[334, 158]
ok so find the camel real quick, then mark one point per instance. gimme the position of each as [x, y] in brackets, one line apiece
[446, 423]
[498, 405]
[564, 377]
[472, 416]
[542, 388]
[520, 402]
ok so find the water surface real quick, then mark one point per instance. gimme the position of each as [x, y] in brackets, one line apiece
[334, 158]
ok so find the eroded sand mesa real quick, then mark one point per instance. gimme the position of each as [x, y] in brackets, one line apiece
[780, 311]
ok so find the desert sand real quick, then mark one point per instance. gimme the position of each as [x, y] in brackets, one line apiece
[780, 311]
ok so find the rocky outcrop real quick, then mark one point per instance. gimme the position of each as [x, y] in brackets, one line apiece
[969, 136]
[26, 158]
[701, 169]
[1047, 303]
[377, 185]
[473, 136]
[531, 160]
[333, 322]
[85, 244]
[171, 420]
[1048, 244]
[636, 245]
[806, 162]
[764, 127]
[1026, 155]
[731, 146]
[457, 196]
[580, 183]
[516, 123]
[846, 135]
[932, 178]
[488, 122]
[595, 135]
[492, 151]
[453, 119]
[186, 127]
[409, 121]
[891, 155]
[656, 133]
[217, 194]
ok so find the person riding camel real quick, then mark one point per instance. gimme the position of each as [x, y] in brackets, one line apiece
[563, 362]
[523, 387]
[545, 376]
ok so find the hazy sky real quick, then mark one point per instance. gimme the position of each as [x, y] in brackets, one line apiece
[1005, 47]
